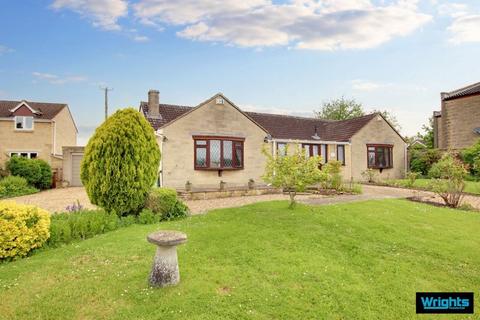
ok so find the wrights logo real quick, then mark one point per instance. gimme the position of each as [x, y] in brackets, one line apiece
[444, 302]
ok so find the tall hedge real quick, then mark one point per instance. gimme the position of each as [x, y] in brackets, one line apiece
[121, 163]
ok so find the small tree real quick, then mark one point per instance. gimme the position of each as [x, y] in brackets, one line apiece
[471, 156]
[333, 177]
[447, 182]
[293, 173]
[121, 163]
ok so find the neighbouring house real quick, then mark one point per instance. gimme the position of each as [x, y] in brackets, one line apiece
[217, 141]
[36, 130]
[457, 125]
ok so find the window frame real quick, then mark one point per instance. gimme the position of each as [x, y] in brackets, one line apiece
[320, 145]
[24, 120]
[388, 147]
[19, 154]
[284, 149]
[236, 142]
[344, 157]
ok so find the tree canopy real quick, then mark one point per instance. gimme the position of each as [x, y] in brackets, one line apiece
[121, 162]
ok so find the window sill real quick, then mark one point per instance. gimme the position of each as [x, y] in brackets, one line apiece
[23, 130]
[380, 167]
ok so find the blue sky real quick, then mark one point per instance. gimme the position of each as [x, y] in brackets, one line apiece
[275, 56]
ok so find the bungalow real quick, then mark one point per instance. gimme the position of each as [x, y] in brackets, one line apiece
[217, 141]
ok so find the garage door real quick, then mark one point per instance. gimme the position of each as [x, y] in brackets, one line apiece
[76, 160]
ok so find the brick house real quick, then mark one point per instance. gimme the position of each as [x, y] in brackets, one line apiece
[36, 130]
[457, 125]
[217, 141]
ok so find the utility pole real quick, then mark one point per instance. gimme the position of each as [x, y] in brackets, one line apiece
[106, 89]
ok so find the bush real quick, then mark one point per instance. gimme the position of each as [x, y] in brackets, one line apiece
[121, 162]
[421, 160]
[13, 186]
[69, 226]
[36, 171]
[165, 203]
[471, 157]
[22, 229]
[147, 216]
[448, 183]
[411, 178]
[333, 179]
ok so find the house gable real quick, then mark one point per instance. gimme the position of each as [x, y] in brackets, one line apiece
[23, 110]
[218, 102]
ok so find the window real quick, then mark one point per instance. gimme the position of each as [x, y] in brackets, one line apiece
[215, 153]
[30, 155]
[23, 123]
[317, 150]
[380, 156]
[281, 149]
[341, 153]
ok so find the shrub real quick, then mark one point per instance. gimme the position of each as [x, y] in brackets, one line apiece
[13, 186]
[69, 226]
[369, 175]
[36, 171]
[165, 203]
[147, 216]
[121, 162]
[333, 179]
[471, 157]
[3, 173]
[22, 229]
[411, 178]
[448, 183]
[421, 160]
[292, 172]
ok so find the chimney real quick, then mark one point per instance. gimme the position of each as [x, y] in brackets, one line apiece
[154, 104]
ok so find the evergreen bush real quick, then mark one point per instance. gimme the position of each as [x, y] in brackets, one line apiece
[165, 203]
[37, 172]
[121, 163]
[13, 186]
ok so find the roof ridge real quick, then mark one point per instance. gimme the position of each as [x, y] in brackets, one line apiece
[18, 101]
[463, 88]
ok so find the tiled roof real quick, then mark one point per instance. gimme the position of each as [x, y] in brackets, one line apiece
[46, 110]
[279, 126]
[462, 92]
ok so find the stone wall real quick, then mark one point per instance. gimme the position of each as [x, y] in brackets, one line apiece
[459, 118]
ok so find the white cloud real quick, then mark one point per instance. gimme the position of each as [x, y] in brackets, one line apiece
[55, 79]
[103, 13]
[304, 24]
[4, 49]
[465, 28]
[139, 38]
[364, 85]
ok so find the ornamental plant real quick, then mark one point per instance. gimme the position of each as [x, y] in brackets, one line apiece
[121, 163]
[448, 179]
[37, 172]
[292, 172]
[22, 229]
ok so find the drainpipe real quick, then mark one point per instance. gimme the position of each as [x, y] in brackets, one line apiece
[54, 136]
[160, 138]
[406, 159]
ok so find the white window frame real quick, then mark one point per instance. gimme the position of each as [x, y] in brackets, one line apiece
[29, 154]
[23, 123]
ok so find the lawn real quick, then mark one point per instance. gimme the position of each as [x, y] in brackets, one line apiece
[470, 186]
[351, 261]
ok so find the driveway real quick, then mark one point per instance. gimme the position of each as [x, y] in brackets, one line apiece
[56, 200]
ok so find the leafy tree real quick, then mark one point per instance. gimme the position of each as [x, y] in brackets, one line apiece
[121, 162]
[427, 136]
[340, 109]
[421, 160]
[448, 179]
[471, 156]
[292, 172]
[390, 117]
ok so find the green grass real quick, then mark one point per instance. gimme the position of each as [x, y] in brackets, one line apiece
[350, 261]
[470, 186]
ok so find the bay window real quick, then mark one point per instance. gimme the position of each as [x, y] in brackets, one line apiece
[380, 156]
[218, 153]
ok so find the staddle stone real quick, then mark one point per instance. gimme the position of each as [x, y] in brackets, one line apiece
[165, 270]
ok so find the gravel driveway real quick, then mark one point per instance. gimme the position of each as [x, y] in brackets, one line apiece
[57, 200]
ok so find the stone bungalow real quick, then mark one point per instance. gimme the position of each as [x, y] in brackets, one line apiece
[457, 125]
[217, 141]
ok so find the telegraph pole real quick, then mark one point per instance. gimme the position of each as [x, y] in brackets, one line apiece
[106, 89]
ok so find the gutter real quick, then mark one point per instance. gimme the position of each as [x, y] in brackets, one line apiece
[309, 141]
